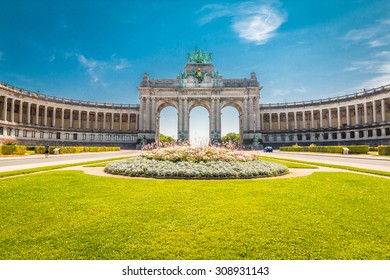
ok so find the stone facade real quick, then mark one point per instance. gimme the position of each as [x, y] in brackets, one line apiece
[35, 119]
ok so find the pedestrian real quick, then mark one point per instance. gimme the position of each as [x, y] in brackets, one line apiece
[47, 149]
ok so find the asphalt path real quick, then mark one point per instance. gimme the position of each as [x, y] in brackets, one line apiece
[25, 162]
[362, 161]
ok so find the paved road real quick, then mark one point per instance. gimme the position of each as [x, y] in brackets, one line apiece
[362, 161]
[16, 163]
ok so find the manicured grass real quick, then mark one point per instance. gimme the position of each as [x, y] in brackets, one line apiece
[350, 168]
[287, 163]
[71, 215]
[52, 167]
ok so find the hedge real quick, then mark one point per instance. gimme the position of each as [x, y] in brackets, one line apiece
[75, 149]
[358, 149]
[373, 149]
[326, 149]
[384, 150]
[13, 150]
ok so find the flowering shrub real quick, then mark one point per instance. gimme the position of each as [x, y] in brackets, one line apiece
[144, 167]
[198, 154]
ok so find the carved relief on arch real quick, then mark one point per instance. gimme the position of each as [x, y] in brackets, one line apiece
[199, 103]
[161, 104]
[235, 104]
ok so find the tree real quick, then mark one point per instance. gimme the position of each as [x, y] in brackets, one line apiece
[166, 139]
[232, 137]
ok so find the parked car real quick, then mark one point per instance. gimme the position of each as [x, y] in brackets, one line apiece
[268, 149]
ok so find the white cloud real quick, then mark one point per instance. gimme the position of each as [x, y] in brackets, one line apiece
[91, 65]
[51, 58]
[378, 66]
[97, 69]
[119, 63]
[255, 22]
[373, 36]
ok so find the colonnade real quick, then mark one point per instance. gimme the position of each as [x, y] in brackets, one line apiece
[342, 116]
[58, 116]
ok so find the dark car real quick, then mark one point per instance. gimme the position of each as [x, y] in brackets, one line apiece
[268, 149]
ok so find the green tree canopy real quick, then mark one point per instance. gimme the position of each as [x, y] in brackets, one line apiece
[164, 138]
[231, 136]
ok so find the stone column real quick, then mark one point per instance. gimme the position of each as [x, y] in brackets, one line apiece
[28, 113]
[348, 119]
[383, 110]
[12, 110]
[245, 114]
[338, 118]
[104, 121]
[365, 113]
[70, 118]
[287, 122]
[212, 113]
[37, 114]
[312, 119]
[270, 121]
[96, 119]
[304, 119]
[180, 118]
[147, 114]
[136, 121]
[153, 114]
[112, 120]
[5, 108]
[80, 118]
[218, 115]
[330, 117]
[88, 124]
[373, 112]
[356, 114]
[120, 121]
[63, 118]
[128, 121]
[45, 116]
[20, 111]
[295, 120]
[279, 128]
[186, 115]
[53, 121]
[251, 113]
[321, 124]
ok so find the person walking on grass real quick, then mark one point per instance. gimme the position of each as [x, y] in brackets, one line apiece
[47, 149]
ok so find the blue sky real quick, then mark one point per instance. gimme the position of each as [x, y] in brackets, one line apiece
[99, 50]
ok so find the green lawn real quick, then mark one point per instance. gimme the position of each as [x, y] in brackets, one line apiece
[287, 163]
[71, 215]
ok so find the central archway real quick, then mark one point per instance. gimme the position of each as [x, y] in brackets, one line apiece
[199, 126]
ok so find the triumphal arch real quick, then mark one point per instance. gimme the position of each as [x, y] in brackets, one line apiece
[200, 84]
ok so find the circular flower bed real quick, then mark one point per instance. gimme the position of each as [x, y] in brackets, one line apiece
[196, 163]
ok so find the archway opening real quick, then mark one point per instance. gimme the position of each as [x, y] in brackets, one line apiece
[168, 122]
[230, 121]
[199, 127]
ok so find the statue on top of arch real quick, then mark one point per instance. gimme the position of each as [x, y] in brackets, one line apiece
[199, 57]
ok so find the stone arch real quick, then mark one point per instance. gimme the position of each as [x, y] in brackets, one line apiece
[193, 127]
[196, 103]
[161, 105]
[238, 105]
